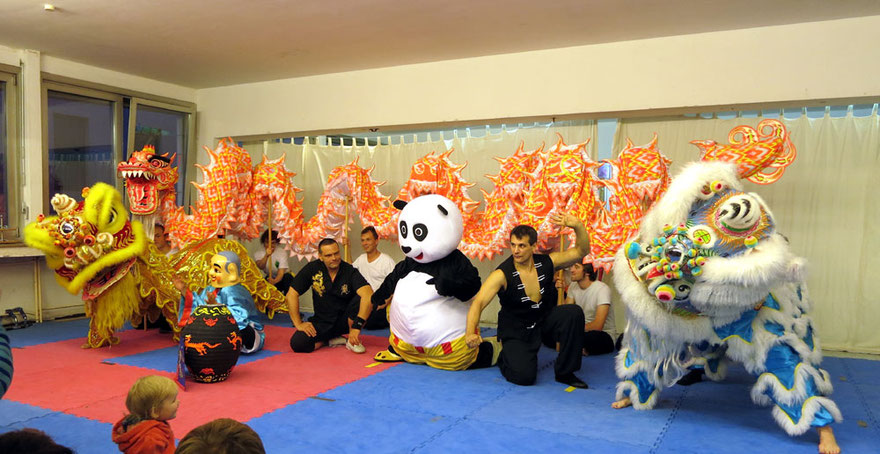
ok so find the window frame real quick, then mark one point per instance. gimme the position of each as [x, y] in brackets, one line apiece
[11, 75]
[191, 152]
[65, 84]
[116, 101]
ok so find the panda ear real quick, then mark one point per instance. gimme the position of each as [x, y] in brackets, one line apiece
[399, 204]
[445, 213]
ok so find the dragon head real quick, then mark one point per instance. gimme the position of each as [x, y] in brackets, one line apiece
[90, 244]
[146, 174]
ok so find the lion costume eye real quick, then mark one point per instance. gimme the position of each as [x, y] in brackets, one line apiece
[66, 228]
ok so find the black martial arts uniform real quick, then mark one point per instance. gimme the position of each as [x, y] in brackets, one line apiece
[524, 324]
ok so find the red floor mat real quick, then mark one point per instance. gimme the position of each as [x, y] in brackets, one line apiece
[63, 377]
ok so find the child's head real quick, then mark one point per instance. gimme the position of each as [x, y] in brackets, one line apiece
[221, 436]
[153, 397]
[30, 441]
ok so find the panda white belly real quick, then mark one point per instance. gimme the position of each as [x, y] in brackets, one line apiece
[421, 317]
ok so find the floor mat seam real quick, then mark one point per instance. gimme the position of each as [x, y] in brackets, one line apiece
[668, 423]
[457, 422]
[861, 396]
[436, 435]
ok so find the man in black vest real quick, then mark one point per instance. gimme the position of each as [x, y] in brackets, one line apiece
[529, 314]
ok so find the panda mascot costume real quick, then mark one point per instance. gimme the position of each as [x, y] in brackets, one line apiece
[430, 288]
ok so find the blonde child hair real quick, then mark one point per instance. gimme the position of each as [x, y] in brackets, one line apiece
[146, 396]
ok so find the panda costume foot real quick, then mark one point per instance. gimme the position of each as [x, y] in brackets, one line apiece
[388, 356]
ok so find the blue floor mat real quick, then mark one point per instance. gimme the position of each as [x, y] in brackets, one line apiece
[41, 333]
[14, 412]
[82, 435]
[549, 407]
[415, 388]
[480, 436]
[336, 426]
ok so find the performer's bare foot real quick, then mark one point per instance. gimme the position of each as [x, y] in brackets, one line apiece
[827, 442]
[622, 403]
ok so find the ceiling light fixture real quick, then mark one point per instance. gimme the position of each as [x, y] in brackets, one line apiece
[48, 7]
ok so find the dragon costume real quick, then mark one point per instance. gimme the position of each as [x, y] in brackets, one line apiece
[236, 197]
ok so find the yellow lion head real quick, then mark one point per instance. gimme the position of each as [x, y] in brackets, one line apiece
[90, 244]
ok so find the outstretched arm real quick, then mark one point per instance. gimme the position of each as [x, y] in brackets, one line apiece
[581, 246]
[490, 288]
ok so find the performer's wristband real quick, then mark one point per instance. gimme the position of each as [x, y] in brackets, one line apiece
[358, 323]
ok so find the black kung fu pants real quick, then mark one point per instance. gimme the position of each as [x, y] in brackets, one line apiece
[520, 344]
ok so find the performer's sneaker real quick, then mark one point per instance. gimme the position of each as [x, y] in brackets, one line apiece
[694, 376]
[337, 342]
[571, 379]
[359, 348]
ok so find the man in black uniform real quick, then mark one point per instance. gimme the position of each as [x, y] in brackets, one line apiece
[529, 314]
[336, 286]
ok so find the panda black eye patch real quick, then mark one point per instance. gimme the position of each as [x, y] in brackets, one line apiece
[403, 231]
[420, 231]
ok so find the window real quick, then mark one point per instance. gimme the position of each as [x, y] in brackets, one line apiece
[90, 130]
[167, 128]
[9, 212]
[83, 142]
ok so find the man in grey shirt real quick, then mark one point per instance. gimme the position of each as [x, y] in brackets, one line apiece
[594, 297]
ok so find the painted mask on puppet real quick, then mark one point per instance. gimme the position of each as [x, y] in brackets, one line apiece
[224, 269]
[723, 222]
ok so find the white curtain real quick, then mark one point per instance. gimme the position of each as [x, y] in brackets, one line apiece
[824, 203]
[393, 159]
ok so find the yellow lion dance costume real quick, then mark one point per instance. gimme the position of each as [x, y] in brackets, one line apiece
[95, 249]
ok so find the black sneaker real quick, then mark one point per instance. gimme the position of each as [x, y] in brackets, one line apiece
[694, 376]
[571, 379]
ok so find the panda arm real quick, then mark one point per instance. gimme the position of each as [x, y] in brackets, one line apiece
[389, 284]
[469, 278]
[457, 277]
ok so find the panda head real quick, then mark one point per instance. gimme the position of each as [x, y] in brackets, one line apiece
[428, 228]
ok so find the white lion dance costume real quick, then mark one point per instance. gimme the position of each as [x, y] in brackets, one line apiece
[708, 278]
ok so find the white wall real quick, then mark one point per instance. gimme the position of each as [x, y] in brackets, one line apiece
[16, 275]
[8, 56]
[770, 65]
[61, 67]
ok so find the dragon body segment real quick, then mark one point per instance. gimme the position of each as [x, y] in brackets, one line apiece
[236, 199]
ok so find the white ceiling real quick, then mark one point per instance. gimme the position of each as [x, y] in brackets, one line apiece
[209, 43]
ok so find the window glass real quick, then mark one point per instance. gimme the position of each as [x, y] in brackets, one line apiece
[166, 130]
[80, 143]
